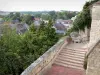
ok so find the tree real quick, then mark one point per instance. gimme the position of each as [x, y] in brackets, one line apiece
[53, 15]
[17, 52]
[45, 16]
[10, 45]
[28, 19]
[38, 15]
[79, 22]
[32, 28]
[16, 16]
[83, 19]
[13, 16]
[65, 14]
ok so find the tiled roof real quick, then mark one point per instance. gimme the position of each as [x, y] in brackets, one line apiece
[20, 28]
[67, 21]
[59, 26]
[37, 18]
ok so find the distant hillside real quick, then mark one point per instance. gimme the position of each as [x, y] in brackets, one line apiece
[3, 13]
[33, 13]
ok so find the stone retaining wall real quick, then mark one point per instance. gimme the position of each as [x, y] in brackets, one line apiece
[42, 64]
[95, 26]
[93, 63]
[93, 54]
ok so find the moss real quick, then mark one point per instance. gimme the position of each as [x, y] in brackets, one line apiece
[85, 62]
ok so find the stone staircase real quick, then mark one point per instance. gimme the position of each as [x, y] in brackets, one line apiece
[69, 61]
[73, 58]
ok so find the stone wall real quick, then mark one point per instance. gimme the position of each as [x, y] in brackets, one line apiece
[93, 66]
[85, 35]
[42, 64]
[93, 54]
[95, 27]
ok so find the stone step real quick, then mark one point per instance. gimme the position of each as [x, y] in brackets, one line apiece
[71, 57]
[79, 49]
[68, 64]
[73, 50]
[69, 60]
[73, 53]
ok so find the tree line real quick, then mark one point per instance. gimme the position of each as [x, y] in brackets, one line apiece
[44, 15]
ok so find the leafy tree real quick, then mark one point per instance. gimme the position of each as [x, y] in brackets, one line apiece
[38, 15]
[28, 19]
[83, 19]
[17, 52]
[13, 16]
[45, 16]
[32, 28]
[65, 14]
[9, 44]
[53, 15]
[16, 16]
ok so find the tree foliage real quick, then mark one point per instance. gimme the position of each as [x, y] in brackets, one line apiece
[83, 19]
[17, 52]
[45, 16]
[21, 18]
[28, 19]
[66, 14]
[13, 16]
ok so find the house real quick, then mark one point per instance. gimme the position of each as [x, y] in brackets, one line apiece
[60, 28]
[62, 25]
[37, 21]
[66, 23]
[15, 21]
[20, 27]
[59, 20]
[46, 21]
[1, 21]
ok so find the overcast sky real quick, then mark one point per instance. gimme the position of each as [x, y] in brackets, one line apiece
[40, 5]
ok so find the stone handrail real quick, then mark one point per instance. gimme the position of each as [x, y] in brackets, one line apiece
[41, 65]
[91, 46]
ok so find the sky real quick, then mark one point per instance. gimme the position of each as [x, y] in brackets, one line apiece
[41, 5]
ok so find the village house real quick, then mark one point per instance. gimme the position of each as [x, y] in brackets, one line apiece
[61, 26]
[15, 21]
[1, 21]
[20, 27]
[37, 21]
[66, 23]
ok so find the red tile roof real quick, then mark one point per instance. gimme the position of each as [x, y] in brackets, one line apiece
[37, 18]
[67, 21]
